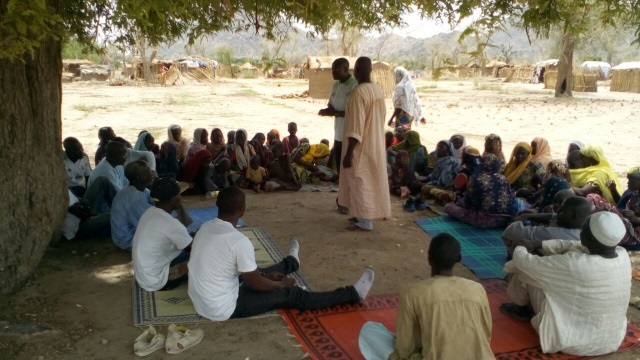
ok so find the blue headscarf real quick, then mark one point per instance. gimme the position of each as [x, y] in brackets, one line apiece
[140, 146]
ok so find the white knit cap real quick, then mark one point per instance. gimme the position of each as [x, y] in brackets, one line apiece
[607, 228]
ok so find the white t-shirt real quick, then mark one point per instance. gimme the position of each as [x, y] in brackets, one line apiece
[338, 99]
[219, 254]
[71, 222]
[76, 171]
[158, 240]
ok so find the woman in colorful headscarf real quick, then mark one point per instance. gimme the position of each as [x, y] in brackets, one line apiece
[405, 101]
[311, 160]
[217, 147]
[445, 170]
[199, 143]
[174, 136]
[493, 145]
[594, 175]
[541, 151]
[459, 142]
[489, 201]
[412, 145]
[524, 175]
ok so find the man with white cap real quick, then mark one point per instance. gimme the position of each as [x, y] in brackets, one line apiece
[577, 293]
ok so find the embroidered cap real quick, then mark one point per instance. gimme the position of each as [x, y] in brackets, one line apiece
[607, 228]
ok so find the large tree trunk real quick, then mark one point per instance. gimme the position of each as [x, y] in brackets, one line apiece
[32, 180]
[564, 84]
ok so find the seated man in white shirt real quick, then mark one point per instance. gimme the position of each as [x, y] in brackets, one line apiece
[571, 216]
[221, 254]
[106, 179]
[159, 247]
[130, 203]
[577, 293]
[76, 163]
[435, 315]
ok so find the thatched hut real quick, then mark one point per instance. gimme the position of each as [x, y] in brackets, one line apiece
[73, 66]
[519, 74]
[317, 69]
[493, 68]
[600, 68]
[467, 71]
[626, 77]
[248, 71]
[582, 82]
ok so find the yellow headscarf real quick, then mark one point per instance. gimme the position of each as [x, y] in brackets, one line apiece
[513, 172]
[598, 174]
[316, 151]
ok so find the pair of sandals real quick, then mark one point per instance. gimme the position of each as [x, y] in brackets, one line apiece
[412, 204]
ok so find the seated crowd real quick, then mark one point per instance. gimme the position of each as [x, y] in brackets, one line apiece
[567, 225]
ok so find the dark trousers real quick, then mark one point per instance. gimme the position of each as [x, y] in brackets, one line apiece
[252, 303]
[336, 152]
[180, 259]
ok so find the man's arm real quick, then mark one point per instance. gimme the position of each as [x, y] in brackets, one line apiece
[259, 282]
[347, 162]
[183, 215]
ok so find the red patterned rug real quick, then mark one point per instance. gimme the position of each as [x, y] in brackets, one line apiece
[333, 333]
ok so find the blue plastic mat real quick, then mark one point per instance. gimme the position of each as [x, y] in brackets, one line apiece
[482, 249]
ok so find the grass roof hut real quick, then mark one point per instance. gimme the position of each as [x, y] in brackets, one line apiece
[317, 69]
[626, 77]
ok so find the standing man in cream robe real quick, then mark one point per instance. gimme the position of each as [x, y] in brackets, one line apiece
[364, 187]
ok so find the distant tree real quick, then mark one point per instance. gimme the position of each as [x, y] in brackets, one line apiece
[225, 56]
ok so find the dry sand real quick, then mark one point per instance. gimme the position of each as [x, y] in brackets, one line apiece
[83, 289]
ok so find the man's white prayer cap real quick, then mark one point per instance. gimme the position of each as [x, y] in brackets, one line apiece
[607, 228]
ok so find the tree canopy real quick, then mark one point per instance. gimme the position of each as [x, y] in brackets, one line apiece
[26, 23]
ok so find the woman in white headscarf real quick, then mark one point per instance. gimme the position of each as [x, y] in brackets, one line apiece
[200, 141]
[174, 136]
[241, 152]
[405, 101]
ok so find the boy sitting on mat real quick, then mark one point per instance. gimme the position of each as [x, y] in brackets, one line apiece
[221, 254]
[444, 317]
[576, 295]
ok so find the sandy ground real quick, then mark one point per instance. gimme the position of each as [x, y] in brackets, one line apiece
[83, 289]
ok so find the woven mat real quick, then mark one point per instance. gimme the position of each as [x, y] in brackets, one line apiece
[483, 251]
[175, 306]
[333, 333]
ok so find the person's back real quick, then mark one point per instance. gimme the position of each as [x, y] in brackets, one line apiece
[126, 211]
[447, 309]
[587, 298]
[130, 203]
[218, 257]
